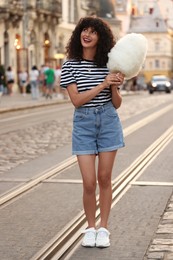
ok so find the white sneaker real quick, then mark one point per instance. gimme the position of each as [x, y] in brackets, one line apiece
[102, 238]
[89, 239]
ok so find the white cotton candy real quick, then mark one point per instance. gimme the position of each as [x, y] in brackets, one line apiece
[128, 55]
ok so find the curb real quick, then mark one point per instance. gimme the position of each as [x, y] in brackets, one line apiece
[18, 106]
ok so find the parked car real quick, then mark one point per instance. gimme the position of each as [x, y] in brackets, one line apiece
[159, 83]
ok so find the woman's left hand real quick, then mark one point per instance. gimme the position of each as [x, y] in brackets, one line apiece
[115, 79]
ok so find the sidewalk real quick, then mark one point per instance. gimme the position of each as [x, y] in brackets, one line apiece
[17, 102]
[161, 244]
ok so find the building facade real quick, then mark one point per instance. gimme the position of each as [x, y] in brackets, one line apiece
[73, 10]
[148, 20]
[37, 31]
[28, 32]
[153, 19]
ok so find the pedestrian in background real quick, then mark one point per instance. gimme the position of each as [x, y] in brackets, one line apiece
[2, 79]
[23, 80]
[42, 80]
[10, 80]
[34, 82]
[57, 81]
[50, 80]
[97, 130]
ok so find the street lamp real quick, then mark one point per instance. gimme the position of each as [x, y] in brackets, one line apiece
[17, 42]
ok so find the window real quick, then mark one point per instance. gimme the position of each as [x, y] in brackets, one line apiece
[72, 11]
[157, 45]
[163, 64]
[157, 23]
[150, 64]
[157, 64]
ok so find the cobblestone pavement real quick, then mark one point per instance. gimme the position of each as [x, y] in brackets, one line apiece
[161, 247]
[18, 147]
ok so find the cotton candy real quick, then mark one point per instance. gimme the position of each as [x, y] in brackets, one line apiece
[128, 55]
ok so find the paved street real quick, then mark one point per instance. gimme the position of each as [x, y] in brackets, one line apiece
[142, 218]
[18, 147]
[41, 188]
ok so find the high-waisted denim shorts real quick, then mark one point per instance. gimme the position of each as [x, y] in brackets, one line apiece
[96, 130]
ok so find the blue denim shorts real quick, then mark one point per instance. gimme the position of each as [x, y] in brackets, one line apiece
[97, 129]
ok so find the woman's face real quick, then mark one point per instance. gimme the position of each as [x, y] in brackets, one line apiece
[89, 38]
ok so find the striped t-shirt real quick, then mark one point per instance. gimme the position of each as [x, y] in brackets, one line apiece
[86, 75]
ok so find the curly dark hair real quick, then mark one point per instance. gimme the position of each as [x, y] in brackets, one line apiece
[106, 40]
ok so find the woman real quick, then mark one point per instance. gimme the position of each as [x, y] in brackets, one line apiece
[23, 80]
[96, 127]
[10, 80]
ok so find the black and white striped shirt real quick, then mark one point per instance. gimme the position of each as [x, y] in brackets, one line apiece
[86, 75]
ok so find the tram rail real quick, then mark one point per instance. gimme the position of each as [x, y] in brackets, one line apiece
[15, 192]
[63, 244]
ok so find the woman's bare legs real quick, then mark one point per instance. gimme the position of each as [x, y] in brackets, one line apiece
[106, 161]
[10, 87]
[87, 168]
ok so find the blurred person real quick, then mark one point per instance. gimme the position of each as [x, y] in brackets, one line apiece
[42, 79]
[134, 84]
[10, 80]
[57, 81]
[50, 80]
[97, 130]
[2, 79]
[23, 80]
[45, 67]
[34, 82]
[141, 85]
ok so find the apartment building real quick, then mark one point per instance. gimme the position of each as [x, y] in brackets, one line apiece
[28, 32]
[37, 31]
[153, 19]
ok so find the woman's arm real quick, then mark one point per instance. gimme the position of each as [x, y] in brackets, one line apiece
[116, 97]
[78, 99]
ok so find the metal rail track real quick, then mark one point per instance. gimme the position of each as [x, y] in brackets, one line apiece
[38, 179]
[64, 243]
[14, 193]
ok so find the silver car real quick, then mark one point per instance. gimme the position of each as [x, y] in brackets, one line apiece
[159, 83]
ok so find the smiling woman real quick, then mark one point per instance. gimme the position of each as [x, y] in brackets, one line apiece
[97, 130]
[89, 39]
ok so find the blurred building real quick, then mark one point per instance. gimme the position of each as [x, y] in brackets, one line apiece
[123, 10]
[28, 32]
[154, 20]
[37, 31]
[148, 20]
[73, 10]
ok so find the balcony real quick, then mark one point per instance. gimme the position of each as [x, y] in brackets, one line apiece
[11, 10]
[11, 5]
[49, 7]
[90, 6]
